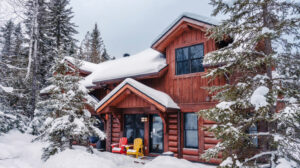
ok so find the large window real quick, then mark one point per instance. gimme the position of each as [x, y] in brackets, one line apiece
[189, 59]
[190, 130]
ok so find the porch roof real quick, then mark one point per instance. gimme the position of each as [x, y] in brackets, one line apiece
[158, 98]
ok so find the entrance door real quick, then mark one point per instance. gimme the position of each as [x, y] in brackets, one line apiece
[156, 134]
[133, 127]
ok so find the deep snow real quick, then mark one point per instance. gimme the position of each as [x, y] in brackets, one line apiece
[17, 151]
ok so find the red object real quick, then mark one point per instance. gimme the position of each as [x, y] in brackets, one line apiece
[120, 147]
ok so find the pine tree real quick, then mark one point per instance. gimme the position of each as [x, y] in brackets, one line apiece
[62, 28]
[85, 48]
[72, 49]
[68, 119]
[98, 51]
[18, 47]
[41, 50]
[10, 118]
[7, 41]
[264, 32]
[92, 47]
[46, 49]
[12, 68]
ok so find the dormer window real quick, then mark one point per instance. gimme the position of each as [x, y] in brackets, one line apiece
[189, 59]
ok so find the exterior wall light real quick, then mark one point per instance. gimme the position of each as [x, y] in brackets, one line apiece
[144, 119]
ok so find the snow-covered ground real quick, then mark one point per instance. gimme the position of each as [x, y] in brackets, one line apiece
[17, 151]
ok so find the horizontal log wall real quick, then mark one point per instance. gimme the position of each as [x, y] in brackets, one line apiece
[116, 129]
[210, 141]
[173, 133]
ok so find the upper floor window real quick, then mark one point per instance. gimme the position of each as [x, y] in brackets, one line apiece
[189, 59]
[190, 130]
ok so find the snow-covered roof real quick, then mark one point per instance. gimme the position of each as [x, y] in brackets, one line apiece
[193, 16]
[158, 96]
[85, 65]
[146, 62]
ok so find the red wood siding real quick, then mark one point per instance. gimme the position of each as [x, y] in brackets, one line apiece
[173, 133]
[186, 90]
[116, 129]
[133, 101]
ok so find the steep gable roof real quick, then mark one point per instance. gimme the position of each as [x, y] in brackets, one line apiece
[158, 98]
[183, 21]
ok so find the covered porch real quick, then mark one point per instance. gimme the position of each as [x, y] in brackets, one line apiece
[134, 110]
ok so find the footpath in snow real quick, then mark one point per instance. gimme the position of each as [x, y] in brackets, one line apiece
[17, 151]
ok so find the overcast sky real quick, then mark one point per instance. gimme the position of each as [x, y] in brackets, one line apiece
[130, 26]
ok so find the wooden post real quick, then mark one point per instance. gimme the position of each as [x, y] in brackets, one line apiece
[108, 132]
[147, 136]
[200, 137]
[164, 118]
[179, 133]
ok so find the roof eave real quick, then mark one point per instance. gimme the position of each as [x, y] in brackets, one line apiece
[104, 104]
[137, 77]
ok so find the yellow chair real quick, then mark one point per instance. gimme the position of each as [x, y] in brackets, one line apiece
[137, 148]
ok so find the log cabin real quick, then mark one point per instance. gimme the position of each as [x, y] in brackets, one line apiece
[154, 94]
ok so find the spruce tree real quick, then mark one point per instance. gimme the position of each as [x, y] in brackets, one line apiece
[41, 50]
[9, 117]
[98, 51]
[92, 47]
[18, 52]
[265, 33]
[7, 41]
[65, 113]
[46, 49]
[62, 28]
[12, 68]
[85, 48]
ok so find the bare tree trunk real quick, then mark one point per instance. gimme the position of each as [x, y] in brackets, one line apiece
[32, 64]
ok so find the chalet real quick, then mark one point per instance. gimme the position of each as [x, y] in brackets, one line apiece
[154, 94]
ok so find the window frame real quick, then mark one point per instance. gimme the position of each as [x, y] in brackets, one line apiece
[184, 132]
[133, 126]
[253, 129]
[190, 59]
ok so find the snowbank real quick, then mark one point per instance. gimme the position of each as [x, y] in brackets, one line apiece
[172, 162]
[77, 159]
[17, 151]
[156, 95]
[146, 62]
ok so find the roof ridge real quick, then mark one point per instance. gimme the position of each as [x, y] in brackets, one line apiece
[194, 16]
